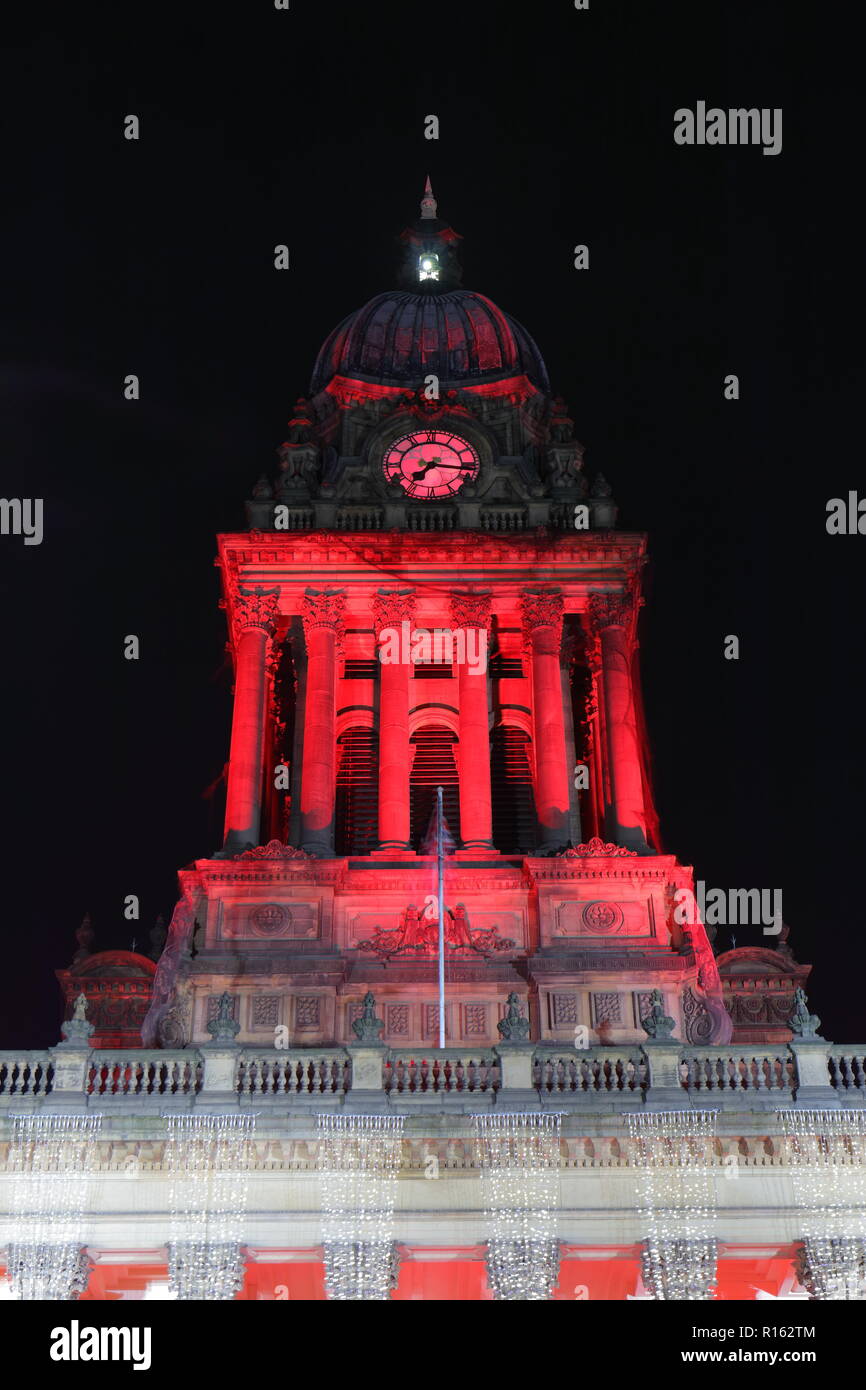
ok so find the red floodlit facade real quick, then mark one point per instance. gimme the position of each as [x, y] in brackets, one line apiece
[432, 592]
[399, 622]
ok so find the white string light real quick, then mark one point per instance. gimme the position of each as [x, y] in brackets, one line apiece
[673, 1153]
[519, 1160]
[51, 1160]
[208, 1158]
[359, 1157]
[827, 1158]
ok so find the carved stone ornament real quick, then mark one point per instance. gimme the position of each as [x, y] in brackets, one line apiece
[542, 608]
[602, 917]
[271, 919]
[391, 607]
[77, 1029]
[174, 1028]
[514, 1027]
[596, 848]
[470, 609]
[274, 849]
[697, 1022]
[256, 608]
[224, 1028]
[367, 1028]
[803, 1024]
[323, 608]
[418, 935]
[657, 1024]
[610, 610]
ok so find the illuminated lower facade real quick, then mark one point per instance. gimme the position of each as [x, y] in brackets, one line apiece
[440, 1228]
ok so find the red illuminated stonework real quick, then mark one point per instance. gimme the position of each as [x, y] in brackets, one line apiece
[409, 500]
[432, 483]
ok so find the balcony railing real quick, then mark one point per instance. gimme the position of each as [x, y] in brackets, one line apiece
[733, 1070]
[746, 1077]
[590, 1072]
[451, 1071]
[299, 1072]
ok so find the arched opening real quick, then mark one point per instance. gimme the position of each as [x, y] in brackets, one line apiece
[511, 791]
[433, 766]
[356, 829]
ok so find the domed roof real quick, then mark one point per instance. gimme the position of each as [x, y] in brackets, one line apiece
[399, 337]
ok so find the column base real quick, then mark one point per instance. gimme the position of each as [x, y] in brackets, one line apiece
[393, 849]
[476, 846]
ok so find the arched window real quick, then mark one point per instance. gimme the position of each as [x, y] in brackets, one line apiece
[511, 791]
[433, 766]
[356, 829]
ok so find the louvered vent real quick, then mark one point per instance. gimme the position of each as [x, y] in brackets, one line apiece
[361, 670]
[357, 801]
[433, 766]
[433, 670]
[506, 667]
[511, 787]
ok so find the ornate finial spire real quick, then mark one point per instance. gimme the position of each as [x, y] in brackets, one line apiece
[428, 202]
[84, 936]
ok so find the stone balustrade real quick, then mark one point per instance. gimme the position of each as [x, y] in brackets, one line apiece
[25, 1074]
[298, 1072]
[134, 1072]
[656, 1074]
[448, 1071]
[733, 1070]
[607, 1069]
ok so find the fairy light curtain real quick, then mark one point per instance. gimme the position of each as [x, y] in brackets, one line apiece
[208, 1158]
[673, 1154]
[52, 1160]
[359, 1157]
[827, 1163]
[519, 1160]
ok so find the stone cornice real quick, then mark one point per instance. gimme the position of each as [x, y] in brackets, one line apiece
[453, 549]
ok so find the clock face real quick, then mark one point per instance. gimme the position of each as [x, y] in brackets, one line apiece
[430, 463]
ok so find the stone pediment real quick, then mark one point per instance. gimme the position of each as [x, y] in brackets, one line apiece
[114, 965]
[755, 960]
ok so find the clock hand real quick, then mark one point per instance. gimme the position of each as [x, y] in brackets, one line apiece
[425, 468]
[441, 466]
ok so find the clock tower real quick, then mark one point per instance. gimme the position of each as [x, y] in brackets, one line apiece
[431, 592]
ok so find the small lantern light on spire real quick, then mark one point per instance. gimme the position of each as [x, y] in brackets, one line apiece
[428, 202]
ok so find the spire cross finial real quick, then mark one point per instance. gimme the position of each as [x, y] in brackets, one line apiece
[428, 202]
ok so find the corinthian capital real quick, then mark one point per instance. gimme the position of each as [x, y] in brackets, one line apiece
[610, 610]
[470, 609]
[542, 608]
[323, 608]
[391, 607]
[255, 608]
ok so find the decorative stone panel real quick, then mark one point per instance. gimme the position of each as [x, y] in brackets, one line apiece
[397, 1020]
[475, 1020]
[308, 1011]
[563, 1009]
[607, 1008]
[265, 1010]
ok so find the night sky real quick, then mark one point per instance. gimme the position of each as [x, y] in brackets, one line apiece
[305, 127]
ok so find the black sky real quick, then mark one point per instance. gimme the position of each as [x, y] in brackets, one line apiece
[306, 127]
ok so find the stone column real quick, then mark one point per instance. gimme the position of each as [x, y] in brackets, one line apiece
[323, 625]
[391, 608]
[611, 617]
[542, 620]
[254, 618]
[470, 614]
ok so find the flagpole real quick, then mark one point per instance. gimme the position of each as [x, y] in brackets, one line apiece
[440, 885]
